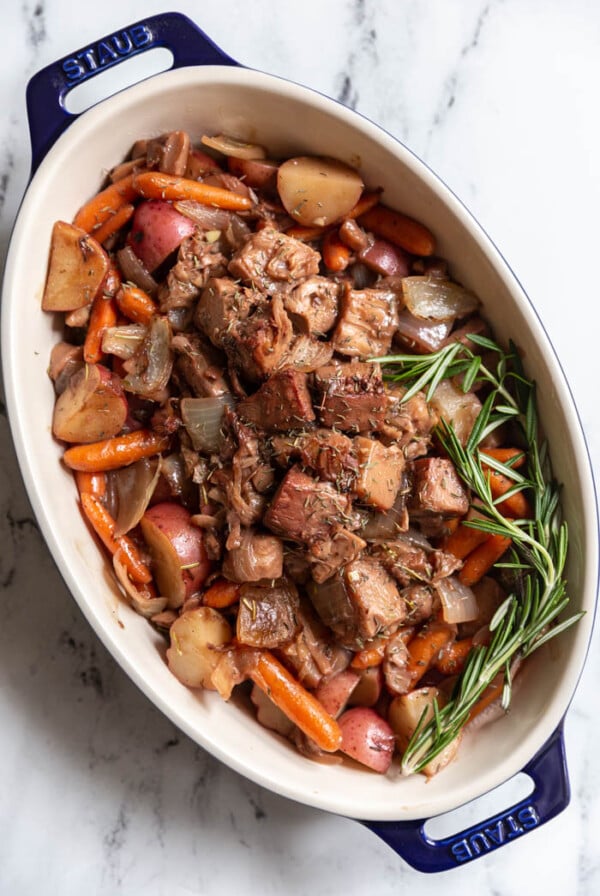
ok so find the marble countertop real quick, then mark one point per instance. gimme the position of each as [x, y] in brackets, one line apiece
[100, 794]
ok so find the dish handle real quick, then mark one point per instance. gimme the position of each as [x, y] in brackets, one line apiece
[550, 796]
[48, 89]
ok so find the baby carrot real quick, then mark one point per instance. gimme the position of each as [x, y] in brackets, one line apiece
[104, 526]
[504, 455]
[481, 560]
[110, 454]
[492, 693]
[300, 232]
[103, 315]
[221, 593]
[105, 204]
[136, 304]
[118, 219]
[91, 483]
[366, 202]
[156, 185]
[296, 702]
[464, 540]
[515, 506]
[369, 656]
[399, 229]
[452, 657]
[336, 254]
[424, 648]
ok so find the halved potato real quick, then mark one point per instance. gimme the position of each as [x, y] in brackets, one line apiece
[77, 267]
[315, 191]
[91, 407]
[195, 641]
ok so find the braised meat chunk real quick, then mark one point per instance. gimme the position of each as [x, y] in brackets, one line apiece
[258, 345]
[367, 322]
[359, 603]
[222, 304]
[256, 557]
[267, 616]
[313, 305]
[437, 488]
[197, 261]
[350, 397]
[271, 260]
[283, 402]
[380, 473]
[305, 510]
[327, 453]
[408, 424]
[199, 365]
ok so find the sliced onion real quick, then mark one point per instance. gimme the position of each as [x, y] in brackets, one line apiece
[386, 525]
[142, 601]
[431, 298]
[203, 418]
[459, 408]
[123, 341]
[459, 603]
[422, 336]
[136, 272]
[135, 486]
[151, 365]
[238, 149]
[173, 470]
[206, 216]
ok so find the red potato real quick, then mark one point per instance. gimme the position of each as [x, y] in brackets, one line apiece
[158, 229]
[269, 715]
[200, 163]
[258, 173]
[317, 191]
[179, 560]
[368, 690]
[333, 694]
[92, 407]
[386, 259]
[196, 637]
[76, 270]
[367, 738]
[406, 712]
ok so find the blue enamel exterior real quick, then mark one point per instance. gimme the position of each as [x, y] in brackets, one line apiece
[48, 119]
[551, 794]
[48, 89]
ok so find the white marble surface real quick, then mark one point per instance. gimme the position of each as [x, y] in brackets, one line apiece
[99, 794]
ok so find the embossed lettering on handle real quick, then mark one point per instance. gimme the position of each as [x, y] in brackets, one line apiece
[550, 796]
[48, 89]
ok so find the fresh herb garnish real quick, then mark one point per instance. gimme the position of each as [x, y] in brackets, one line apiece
[526, 619]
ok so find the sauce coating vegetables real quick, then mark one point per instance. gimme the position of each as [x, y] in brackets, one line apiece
[291, 503]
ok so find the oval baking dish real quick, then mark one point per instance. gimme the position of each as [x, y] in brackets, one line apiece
[207, 92]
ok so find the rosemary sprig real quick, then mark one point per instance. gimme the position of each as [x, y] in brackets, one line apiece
[525, 620]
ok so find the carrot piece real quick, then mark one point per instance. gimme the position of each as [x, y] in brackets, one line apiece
[156, 185]
[221, 594]
[369, 656]
[91, 483]
[504, 455]
[299, 232]
[492, 693]
[399, 229]
[481, 560]
[452, 658]
[516, 506]
[366, 202]
[336, 254]
[102, 316]
[104, 526]
[424, 648]
[296, 702]
[463, 540]
[118, 219]
[105, 204]
[110, 454]
[136, 304]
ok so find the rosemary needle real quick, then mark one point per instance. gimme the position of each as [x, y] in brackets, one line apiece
[525, 619]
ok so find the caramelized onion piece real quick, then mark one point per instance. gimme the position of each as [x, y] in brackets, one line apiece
[135, 486]
[237, 149]
[432, 298]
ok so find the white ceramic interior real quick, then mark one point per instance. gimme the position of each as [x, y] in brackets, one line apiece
[289, 120]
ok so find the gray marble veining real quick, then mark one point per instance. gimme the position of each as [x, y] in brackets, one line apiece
[100, 794]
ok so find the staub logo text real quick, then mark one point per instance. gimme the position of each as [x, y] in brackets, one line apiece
[106, 52]
[487, 838]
